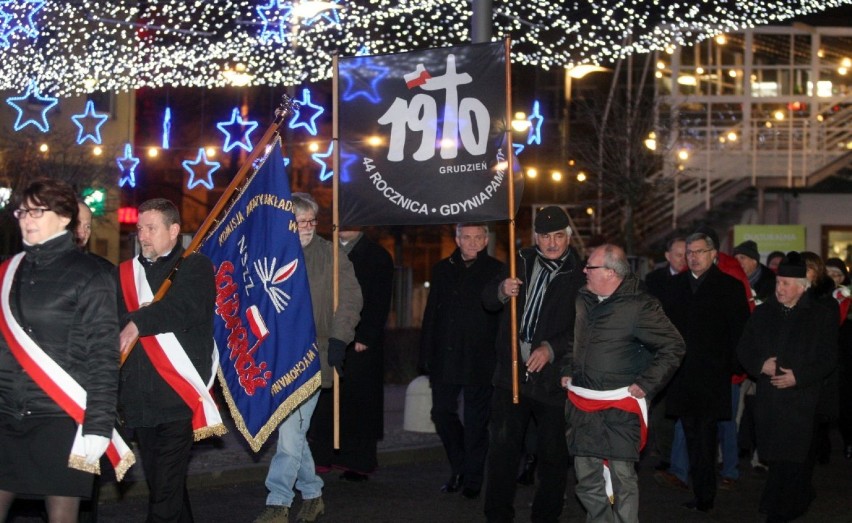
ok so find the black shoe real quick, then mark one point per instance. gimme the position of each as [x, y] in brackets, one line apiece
[527, 475]
[454, 484]
[351, 475]
[663, 465]
[470, 493]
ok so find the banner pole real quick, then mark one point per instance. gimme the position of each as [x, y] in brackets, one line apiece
[335, 229]
[510, 155]
[281, 113]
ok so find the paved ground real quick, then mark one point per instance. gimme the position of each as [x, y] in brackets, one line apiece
[226, 485]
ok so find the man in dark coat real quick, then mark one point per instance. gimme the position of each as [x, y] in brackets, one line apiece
[362, 391]
[625, 349]
[550, 274]
[761, 279]
[161, 419]
[457, 351]
[659, 280]
[709, 309]
[789, 347]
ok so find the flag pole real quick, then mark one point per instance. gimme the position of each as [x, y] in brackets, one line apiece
[510, 155]
[281, 114]
[335, 163]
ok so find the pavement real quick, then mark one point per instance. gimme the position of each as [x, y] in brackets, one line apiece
[226, 485]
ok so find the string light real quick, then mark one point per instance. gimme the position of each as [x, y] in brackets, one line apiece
[324, 159]
[19, 103]
[237, 127]
[127, 165]
[535, 119]
[306, 113]
[125, 44]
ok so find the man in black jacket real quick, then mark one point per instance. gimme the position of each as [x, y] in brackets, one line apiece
[625, 349]
[457, 350]
[550, 274]
[148, 403]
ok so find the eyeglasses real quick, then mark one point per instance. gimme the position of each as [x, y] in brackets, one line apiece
[697, 252]
[303, 224]
[593, 267]
[36, 212]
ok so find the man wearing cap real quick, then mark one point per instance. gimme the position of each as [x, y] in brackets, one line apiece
[549, 276]
[760, 278]
[789, 346]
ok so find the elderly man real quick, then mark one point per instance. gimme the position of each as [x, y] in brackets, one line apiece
[760, 277]
[292, 467]
[789, 346]
[625, 349]
[709, 308]
[659, 280]
[550, 276]
[457, 351]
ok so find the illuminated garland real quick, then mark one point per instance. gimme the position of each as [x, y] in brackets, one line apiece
[200, 170]
[127, 165]
[19, 103]
[117, 45]
[85, 130]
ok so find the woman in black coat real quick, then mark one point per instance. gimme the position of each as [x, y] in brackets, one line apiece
[789, 347]
[65, 305]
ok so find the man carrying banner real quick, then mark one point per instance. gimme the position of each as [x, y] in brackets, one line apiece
[171, 366]
[292, 466]
[551, 274]
[625, 349]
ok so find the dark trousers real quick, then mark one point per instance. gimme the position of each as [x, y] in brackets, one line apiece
[357, 453]
[788, 490]
[508, 425]
[701, 443]
[165, 459]
[466, 444]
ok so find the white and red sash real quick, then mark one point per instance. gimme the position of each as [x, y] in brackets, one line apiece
[589, 400]
[55, 381]
[170, 360]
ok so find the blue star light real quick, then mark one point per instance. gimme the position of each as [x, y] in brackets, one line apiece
[84, 132]
[19, 104]
[167, 127]
[346, 161]
[518, 148]
[127, 164]
[535, 119]
[371, 93]
[8, 27]
[309, 121]
[274, 16]
[200, 170]
[237, 127]
[324, 160]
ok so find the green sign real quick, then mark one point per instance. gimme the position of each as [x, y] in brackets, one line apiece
[95, 199]
[770, 238]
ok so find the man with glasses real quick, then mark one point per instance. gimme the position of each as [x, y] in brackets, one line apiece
[457, 351]
[292, 467]
[625, 350]
[550, 274]
[709, 309]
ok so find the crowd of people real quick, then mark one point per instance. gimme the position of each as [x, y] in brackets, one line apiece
[557, 360]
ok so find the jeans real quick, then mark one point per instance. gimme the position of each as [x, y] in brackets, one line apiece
[728, 438]
[292, 465]
[680, 457]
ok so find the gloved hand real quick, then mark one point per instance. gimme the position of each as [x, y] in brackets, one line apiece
[95, 446]
[336, 354]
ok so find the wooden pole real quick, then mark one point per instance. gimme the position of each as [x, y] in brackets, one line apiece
[281, 113]
[510, 155]
[335, 159]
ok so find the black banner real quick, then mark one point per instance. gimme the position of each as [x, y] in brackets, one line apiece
[422, 137]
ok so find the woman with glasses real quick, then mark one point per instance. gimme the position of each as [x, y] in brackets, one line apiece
[58, 357]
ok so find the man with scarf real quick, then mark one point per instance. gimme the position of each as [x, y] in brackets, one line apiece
[549, 276]
[625, 350]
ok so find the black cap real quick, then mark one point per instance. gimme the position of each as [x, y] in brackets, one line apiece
[549, 219]
[793, 266]
[748, 248]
